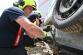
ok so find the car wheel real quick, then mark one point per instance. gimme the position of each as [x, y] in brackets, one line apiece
[68, 15]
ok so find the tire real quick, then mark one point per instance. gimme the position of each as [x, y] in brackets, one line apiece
[67, 17]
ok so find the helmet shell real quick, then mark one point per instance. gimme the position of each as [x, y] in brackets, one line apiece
[23, 3]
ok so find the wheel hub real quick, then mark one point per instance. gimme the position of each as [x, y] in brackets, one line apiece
[66, 5]
[67, 8]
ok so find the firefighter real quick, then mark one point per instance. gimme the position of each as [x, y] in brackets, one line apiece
[12, 21]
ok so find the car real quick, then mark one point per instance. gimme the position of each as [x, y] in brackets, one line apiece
[67, 18]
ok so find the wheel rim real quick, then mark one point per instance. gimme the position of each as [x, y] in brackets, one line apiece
[67, 8]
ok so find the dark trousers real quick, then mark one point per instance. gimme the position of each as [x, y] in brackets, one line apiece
[13, 51]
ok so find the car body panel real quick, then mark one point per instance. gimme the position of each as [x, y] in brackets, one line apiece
[74, 40]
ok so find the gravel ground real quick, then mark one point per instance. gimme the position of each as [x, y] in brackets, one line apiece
[41, 48]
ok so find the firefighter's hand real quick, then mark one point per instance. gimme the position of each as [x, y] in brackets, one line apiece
[40, 39]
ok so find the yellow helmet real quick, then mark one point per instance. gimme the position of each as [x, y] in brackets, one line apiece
[23, 3]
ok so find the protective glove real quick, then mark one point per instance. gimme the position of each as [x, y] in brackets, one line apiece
[45, 34]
